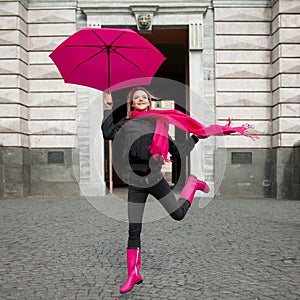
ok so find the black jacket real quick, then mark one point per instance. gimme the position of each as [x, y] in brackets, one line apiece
[131, 141]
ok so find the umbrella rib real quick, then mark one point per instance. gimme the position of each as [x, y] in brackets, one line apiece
[106, 45]
[86, 46]
[89, 58]
[95, 33]
[112, 43]
[129, 47]
[124, 57]
[117, 38]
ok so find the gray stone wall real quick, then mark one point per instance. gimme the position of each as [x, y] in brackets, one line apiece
[15, 172]
[37, 109]
[243, 70]
[1, 174]
[286, 100]
[286, 172]
[270, 173]
[54, 172]
[38, 172]
[247, 173]
[257, 81]
[13, 74]
[285, 73]
[250, 71]
[296, 171]
[243, 93]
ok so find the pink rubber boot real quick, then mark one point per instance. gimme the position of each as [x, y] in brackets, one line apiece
[190, 188]
[133, 268]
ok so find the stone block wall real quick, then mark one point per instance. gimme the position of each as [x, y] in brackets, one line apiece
[286, 73]
[14, 112]
[37, 109]
[286, 96]
[52, 102]
[259, 172]
[54, 172]
[15, 171]
[257, 81]
[295, 190]
[243, 93]
[250, 71]
[38, 172]
[1, 175]
[243, 71]
[247, 172]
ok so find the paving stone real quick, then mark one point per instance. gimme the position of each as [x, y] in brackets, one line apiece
[231, 249]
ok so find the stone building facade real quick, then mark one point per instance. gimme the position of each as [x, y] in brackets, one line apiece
[243, 58]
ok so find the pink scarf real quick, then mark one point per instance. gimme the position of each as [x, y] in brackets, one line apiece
[160, 142]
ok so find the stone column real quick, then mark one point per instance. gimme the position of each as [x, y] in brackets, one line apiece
[90, 141]
[286, 99]
[14, 178]
[200, 108]
[196, 87]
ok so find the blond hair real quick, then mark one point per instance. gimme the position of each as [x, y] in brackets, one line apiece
[130, 98]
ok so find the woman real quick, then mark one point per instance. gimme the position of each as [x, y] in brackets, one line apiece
[135, 135]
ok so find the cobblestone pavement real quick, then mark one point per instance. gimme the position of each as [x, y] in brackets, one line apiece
[231, 249]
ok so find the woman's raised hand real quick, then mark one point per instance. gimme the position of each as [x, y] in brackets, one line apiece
[108, 101]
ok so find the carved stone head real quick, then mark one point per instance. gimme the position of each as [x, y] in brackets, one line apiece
[144, 21]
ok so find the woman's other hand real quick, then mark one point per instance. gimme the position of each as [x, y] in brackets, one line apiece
[200, 137]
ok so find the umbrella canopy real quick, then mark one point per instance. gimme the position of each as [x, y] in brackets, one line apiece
[107, 59]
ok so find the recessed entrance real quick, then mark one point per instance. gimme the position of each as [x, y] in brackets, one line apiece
[173, 43]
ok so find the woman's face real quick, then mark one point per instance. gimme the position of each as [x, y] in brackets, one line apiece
[140, 101]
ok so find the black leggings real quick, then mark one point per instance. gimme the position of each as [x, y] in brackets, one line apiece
[136, 203]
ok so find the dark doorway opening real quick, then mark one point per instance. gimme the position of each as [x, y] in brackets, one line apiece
[173, 43]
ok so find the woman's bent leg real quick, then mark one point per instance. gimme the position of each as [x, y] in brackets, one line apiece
[178, 209]
[163, 193]
[192, 185]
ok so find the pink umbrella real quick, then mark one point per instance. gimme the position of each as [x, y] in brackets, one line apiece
[107, 59]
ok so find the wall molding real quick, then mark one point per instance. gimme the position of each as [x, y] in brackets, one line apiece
[51, 4]
[123, 7]
[243, 3]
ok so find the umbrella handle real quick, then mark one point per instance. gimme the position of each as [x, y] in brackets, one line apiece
[111, 182]
[108, 68]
